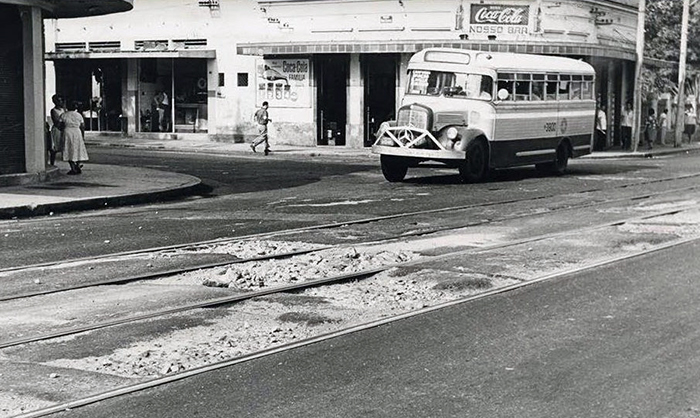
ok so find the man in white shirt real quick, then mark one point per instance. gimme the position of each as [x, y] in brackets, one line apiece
[626, 125]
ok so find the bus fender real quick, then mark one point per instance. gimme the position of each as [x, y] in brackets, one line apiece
[466, 136]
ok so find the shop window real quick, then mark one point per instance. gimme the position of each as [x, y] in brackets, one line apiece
[242, 79]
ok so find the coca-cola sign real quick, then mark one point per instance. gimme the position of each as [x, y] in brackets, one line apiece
[498, 14]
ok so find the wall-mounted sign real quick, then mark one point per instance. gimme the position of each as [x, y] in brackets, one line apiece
[284, 82]
[499, 19]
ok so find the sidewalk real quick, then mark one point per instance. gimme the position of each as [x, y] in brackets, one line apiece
[103, 186]
[99, 186]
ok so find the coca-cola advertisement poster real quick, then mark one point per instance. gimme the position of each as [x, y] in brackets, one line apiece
[284, 82]
[495, 19]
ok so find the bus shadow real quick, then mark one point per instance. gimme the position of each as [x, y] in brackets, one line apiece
[509, 175]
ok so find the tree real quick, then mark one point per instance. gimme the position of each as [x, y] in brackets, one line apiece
[662, 42]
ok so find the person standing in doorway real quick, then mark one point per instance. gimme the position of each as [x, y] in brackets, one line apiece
[74, 150]
[626, 125]
[262, 118]
[56, 134]
[663, 127]
[601, 127]
[650, 129]
[689, 121]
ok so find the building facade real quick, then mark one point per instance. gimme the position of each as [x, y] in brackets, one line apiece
[331, 70]
[22, 84]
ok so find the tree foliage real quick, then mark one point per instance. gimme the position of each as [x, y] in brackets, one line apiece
[663, 41]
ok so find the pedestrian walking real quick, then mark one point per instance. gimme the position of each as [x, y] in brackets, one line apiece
[663, 127]
[626, 125]
[689, 121]
[55, 144]
[650, 129]
[74, 150]
[262, 118]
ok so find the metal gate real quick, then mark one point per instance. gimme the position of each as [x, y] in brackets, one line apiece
[12, 157]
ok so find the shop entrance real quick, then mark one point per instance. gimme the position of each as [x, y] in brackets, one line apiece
[379, 73]
[97, 86]
[332, 77]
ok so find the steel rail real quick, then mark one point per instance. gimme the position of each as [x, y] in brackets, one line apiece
[161, 381]
[267, 235]
[171, 272]
[317, 282]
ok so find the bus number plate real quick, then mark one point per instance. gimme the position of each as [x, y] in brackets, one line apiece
[550, 127]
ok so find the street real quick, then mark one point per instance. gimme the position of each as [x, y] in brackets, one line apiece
[587, 343]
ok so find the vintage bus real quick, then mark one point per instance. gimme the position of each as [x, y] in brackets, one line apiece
[477, 111]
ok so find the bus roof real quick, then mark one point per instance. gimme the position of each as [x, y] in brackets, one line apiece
[500, 61]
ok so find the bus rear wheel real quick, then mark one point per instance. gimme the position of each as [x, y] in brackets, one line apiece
[393, 168]
[558, 166]
[476, 166]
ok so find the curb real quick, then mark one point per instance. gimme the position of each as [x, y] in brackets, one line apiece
[27, 211]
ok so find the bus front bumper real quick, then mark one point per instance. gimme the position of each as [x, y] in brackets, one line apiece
[407, 141]
[424, 154]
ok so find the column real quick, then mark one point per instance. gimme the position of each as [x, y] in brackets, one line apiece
[33, 53]
[354, 132]
[130, 89]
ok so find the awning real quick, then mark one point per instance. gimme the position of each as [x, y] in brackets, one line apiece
[378, 47]
[58, 9]
[185, 53]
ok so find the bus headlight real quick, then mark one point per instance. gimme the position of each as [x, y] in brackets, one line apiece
[452, 133]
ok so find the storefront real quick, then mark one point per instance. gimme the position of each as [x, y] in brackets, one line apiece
[137, 92]
[357, 76]
[331, 71]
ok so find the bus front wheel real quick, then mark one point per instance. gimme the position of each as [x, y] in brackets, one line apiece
[475, 168]
[393, 168]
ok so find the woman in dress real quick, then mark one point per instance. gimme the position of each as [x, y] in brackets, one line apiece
[56, 136]
[74, 150]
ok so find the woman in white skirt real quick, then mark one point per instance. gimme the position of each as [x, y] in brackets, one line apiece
[56, 138]
[74, 150]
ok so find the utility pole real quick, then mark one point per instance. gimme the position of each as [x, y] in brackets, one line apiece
[680, 108]
[641, 15]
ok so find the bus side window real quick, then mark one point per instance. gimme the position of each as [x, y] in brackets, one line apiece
[506, 83]
[576, 87]
[522, 87]
[587, 89]
[564, 87]
[552, 84]
[537, 87]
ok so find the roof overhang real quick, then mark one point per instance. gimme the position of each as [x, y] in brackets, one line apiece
[193, 53]
[58, 9]
[379, 47]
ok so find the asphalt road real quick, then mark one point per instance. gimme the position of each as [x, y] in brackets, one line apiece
[252, 195]
[620, 341]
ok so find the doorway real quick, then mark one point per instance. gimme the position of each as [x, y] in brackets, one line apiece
[332, 97]
[379, 73]
[97, 85]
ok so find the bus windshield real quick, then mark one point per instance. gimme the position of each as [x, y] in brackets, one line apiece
[459, 85]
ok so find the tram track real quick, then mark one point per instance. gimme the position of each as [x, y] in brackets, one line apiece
[592, 264]
[229, 260]
[352, 222]
[321, 281]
